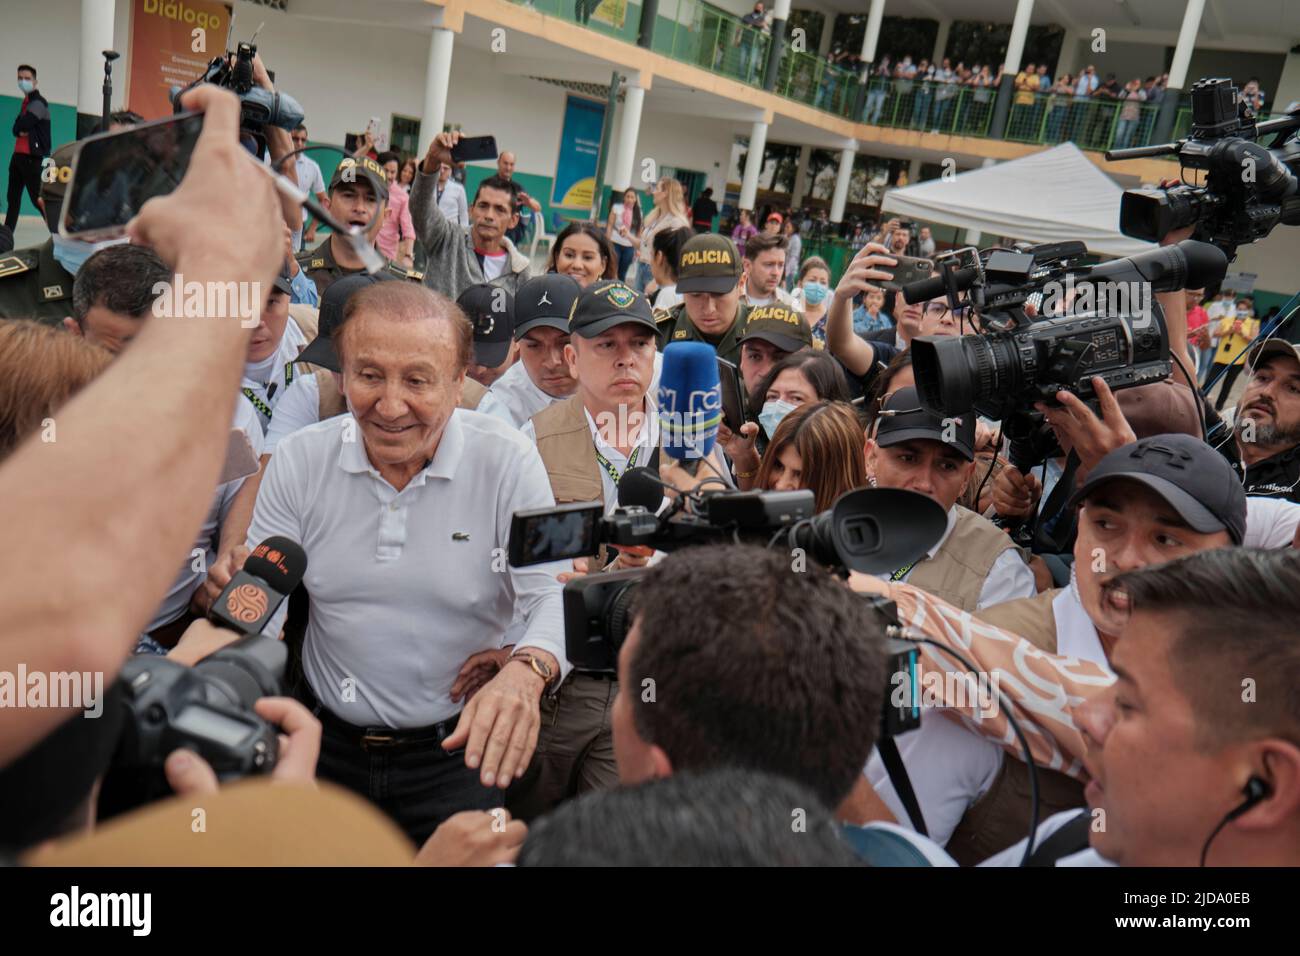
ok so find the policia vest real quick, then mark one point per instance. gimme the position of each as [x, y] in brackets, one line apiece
[33, 285]
[1000, 818]
[323, 269]
[956, 574]
[676, 326]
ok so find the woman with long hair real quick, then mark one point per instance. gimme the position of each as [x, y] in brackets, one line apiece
[623, 228]
[582, 251]
[818, 446]
[41, 368]
[669, 213]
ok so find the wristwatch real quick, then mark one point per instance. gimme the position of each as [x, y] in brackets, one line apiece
[539, 666]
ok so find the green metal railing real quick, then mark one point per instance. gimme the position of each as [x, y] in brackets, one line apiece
[811, 79]
[702, 35]
[616, 18]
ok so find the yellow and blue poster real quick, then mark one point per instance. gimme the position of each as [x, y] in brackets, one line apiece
[575, 170]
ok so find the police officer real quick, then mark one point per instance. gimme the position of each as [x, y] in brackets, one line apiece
[33, 283]
[709, 280]
[358, 195]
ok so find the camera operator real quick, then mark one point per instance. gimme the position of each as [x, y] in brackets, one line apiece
[83, 491]
[1264, 446]
[358, 196]
[766, 669]
[587, 443]
[461, 256]
[974, 565]
[1184, 771]
[399, 597]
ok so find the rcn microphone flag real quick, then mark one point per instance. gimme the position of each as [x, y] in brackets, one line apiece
[257, 590]
[690, 400]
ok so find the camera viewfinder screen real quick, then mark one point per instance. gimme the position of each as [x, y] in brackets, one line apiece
[554, 537]
[117, 174]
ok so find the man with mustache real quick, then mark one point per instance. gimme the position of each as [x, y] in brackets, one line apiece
[1266, 428]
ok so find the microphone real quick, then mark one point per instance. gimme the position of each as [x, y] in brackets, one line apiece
[1185, 265]
[927, 289]
[690, 400]
[641, 487]
[257, 590]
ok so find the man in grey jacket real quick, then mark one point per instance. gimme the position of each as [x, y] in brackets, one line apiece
[462, 256]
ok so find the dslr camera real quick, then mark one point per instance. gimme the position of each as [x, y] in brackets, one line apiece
[1249, 187]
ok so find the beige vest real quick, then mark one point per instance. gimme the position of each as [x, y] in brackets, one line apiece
[1031, 618]
[564, 442]
[957, 573]
[332, 403]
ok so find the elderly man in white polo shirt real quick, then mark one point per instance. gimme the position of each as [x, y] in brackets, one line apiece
[404, 509]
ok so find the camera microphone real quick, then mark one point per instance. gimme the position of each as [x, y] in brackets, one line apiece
[927, 289]
[640, 487]
[1185, 265]
[690, 401]
[257, 590]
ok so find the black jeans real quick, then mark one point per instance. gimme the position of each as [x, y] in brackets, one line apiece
[24, 172]
[1228, 381]
[419, 785]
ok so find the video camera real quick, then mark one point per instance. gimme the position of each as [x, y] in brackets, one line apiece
[1249, 188]
[1092, 320]
[871, 530]
[258, 108]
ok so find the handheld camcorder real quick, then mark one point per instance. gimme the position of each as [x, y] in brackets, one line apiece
[208, 708]
[1100, 320]
[1249, 187]
[871, 530]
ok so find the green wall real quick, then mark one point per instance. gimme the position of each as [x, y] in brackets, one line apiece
[63, 129]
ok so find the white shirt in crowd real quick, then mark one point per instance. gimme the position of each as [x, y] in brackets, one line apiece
[404, 586]
[1009, 577]
[778, 295]
[192, 574]
[494, 266]
[515, 399]
[668, 297]
[1012, 855]
[265, 379]
[310, 181]
[618, 238]
[452, 202]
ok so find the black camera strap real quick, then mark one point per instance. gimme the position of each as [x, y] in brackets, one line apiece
[1056, 539]
[893, 761]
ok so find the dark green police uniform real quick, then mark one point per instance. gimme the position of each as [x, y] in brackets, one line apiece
[323, 269]
[34, 286]
[676, 326]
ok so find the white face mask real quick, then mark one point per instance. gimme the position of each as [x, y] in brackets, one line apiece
[772, 414]
[26, 86]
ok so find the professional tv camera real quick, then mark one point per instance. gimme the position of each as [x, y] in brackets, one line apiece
[1098, 320]
[258, 108]
[871, 530]
[1249, 188]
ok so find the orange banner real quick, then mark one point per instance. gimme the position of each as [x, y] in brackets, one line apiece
[172, 42]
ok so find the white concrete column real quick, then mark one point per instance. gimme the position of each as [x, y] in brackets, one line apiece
[629, 124]
[437, 78]
[940, 42]
[753, 165]
[1069, 57]
[96, 37]
[914, 172]
[871, 36]
[1019, 31]
[828, 29]
[841, 195]
[1186, 43]
[801, 176]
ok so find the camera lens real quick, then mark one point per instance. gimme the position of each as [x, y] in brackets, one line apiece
[955, 374]
[618, 617]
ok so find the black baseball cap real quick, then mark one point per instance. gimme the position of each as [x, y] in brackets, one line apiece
[708, 262]
[283, 282]
[785, 328]
[902, 418]
[545, 300]
[349, 169]
[491, 310]
[1193, 478]
[605, 304]
[321, 349]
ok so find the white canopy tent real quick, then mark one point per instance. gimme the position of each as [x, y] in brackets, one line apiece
[1053, 195]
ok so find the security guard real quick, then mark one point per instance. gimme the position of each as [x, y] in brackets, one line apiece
[33, 284]
[358, 194]
[709, 277]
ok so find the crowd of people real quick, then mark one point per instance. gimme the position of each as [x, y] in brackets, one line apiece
[1124, 590]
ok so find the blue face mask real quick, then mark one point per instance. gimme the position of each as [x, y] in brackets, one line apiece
[772, 414]
[814, 293]
[72, 253]
[26, 86]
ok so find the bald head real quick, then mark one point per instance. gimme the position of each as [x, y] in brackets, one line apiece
[506, 165]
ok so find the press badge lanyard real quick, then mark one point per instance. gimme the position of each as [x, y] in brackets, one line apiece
[260, 405]
[613, 472]
[901, 572]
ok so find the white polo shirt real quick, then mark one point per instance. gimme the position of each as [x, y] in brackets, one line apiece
[296, 409]
[1009, 577]
[405, 586]
[265, 379]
